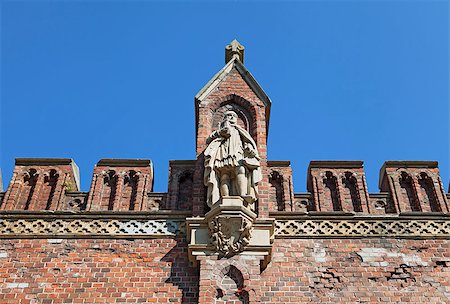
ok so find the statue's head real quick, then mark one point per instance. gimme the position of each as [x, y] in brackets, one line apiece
[231, 117]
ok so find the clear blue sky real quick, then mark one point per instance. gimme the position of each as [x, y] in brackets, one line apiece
[364, 80]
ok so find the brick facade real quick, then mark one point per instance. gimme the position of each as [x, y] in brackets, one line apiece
[120, 242]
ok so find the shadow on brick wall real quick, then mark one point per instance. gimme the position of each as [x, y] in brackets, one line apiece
[182, 275]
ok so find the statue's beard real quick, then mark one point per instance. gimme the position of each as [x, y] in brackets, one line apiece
[227, 124]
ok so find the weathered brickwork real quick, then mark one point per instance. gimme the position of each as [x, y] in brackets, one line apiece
[150, 271]
[96, 271]
[358, 270]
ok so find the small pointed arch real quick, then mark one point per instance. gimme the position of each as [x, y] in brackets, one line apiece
[51, 180]
[351, 183]
[130, 182]
[276, 181]
[110, 181]
[30, 178]
[185, 185]
[330, 181]
[407, 184]
[245, 111]
[427, 186]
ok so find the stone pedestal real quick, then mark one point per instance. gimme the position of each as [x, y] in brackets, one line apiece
[230, 228]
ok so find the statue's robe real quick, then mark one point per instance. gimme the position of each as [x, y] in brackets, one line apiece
[230, 152]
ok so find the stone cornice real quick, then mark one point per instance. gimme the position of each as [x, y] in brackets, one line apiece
[43, 161]
[278, 163]
[183, 162]
[124, 162]
[335, 164]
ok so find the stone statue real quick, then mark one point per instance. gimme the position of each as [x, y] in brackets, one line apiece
[232, 163]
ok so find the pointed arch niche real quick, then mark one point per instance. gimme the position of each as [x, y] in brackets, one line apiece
[230, 287]
[244, 110]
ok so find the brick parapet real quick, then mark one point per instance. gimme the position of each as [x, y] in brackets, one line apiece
[393, 197]
[181, 184]
[281, 193]
[40, 184]
[338, 186]
[120, 184]
[414, 186]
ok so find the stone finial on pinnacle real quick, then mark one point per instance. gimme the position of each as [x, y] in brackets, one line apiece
[234, 50]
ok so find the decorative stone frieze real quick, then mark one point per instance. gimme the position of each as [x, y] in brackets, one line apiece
[91, 225]
[401, 227]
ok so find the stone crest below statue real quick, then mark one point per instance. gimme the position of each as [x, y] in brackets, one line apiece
[230, 225]
[232, 163]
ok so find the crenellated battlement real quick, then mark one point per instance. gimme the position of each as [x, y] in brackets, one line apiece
[126, 185]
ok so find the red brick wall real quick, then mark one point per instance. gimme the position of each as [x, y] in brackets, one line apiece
[96, 271]
[157, 271]
[357, 270]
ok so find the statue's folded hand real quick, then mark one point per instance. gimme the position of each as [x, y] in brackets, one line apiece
[225, 132]
[249, 151]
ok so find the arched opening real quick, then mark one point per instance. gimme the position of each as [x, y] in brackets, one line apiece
[130, 181]
[276, 181]
[232, 288]
[184, 193]
[349, 181]
[407, 186]
[330, 182]
[110, 181]
[427, 186]
[50, 180]
[30, 179]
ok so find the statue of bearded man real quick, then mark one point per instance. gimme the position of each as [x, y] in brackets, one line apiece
[232, 163]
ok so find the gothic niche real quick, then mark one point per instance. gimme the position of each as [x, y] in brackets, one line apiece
[110, 181]
[130, 183]
[244, 119]
[349, 181]
[427, 186]
[330, 182]
[50, 180]
[277, 190]
[30, 179]
[184, 193]
[231, 288]
[408, 189]
[232, 163]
